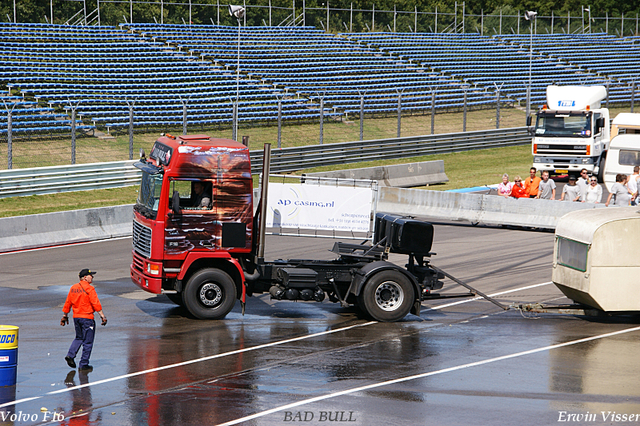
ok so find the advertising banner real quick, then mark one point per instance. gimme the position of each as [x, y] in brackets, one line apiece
[319, 207]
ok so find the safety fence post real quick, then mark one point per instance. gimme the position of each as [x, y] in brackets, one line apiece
[73, 107]
[321, 117]
[362, 114]
[279, 121]
[465, 87]
[130, 104]
[9, 132]
[433, 111]
[399, 110]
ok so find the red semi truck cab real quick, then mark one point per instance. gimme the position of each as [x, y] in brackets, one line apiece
[195, 239]
[195, 205]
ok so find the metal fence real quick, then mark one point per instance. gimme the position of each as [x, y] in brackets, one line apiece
[297, 158]
[77, 143]
[45, 180]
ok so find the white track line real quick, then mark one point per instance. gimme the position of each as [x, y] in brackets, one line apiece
[423, 375]
[193, 361]
[207, 358]
[63, 245]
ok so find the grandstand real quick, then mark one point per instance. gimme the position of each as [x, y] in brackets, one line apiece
[155, 68]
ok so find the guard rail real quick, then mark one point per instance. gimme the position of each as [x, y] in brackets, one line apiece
[78, 177]
[46, 180]
[297, 158]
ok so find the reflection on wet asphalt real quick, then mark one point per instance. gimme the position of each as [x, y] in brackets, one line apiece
[154, 365]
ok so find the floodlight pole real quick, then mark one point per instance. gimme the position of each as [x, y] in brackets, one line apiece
[530, 16]
[235, 124]
[238, 12]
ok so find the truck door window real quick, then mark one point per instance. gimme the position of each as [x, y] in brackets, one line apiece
[596, 130]
[194, 194]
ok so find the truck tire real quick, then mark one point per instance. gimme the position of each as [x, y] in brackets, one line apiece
[209, 294]
[175, 298]
[387, 296]
[601, 169]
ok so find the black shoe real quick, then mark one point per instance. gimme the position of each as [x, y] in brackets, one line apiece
[86, 368]
[70, 362]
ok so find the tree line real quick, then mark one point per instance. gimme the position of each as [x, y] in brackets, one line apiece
[357, 15]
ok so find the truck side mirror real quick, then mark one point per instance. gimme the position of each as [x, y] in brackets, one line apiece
[599, 124]
[175, 203]
[528, 120]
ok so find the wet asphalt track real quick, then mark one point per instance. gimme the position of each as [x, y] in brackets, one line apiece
[462, 362]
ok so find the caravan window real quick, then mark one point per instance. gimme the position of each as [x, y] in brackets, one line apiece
[572, 254]
[628, 157]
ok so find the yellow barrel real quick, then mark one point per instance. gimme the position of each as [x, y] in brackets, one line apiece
[8, 337]
[8, 355]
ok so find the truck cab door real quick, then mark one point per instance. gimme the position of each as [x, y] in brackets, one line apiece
[191, 224]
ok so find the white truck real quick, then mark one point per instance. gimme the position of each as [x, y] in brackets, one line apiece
[572, 131]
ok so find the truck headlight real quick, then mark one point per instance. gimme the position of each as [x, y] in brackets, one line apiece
[153, 269]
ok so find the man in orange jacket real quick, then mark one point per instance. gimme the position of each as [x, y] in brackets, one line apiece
[532, 183]
[83, 299]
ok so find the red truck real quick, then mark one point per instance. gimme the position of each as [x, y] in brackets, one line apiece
[196, 239]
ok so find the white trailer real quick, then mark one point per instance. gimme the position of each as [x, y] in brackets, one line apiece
[624, 149]
[572, 131]
[595, 258]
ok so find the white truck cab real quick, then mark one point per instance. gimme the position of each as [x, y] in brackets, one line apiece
[572, 131]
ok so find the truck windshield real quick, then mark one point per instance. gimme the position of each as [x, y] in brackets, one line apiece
[149, 194]
[550, 124]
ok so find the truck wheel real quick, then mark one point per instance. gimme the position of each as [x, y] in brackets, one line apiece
[601, 170]
[175, 298]
[209, 294]
[387, 296]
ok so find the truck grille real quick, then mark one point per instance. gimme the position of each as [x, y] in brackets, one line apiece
[142, 239]
[562, 149]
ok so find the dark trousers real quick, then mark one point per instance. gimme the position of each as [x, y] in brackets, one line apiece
[85, 332]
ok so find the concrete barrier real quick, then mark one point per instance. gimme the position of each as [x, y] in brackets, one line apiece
[50, 229]
[397, 175]
[41, 230]
[477, 208]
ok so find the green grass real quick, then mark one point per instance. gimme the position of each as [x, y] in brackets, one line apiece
[465, 169]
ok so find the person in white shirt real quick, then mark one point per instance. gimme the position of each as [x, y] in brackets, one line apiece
[547, 187]
[583, 183]
[594, 191]
[632, 185]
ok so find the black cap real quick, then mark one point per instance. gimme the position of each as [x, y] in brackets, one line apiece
[572, 178]
[86, 272]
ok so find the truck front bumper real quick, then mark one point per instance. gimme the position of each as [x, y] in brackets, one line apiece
[152, 285]
[563, 165]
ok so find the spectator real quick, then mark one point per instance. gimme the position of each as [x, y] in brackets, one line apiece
[619, 192]
[547, 187]
[571, 191]
[583, 183]
[504, 188]
[632, 185]
[531, 184]
[593, 192]
[518, 191]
